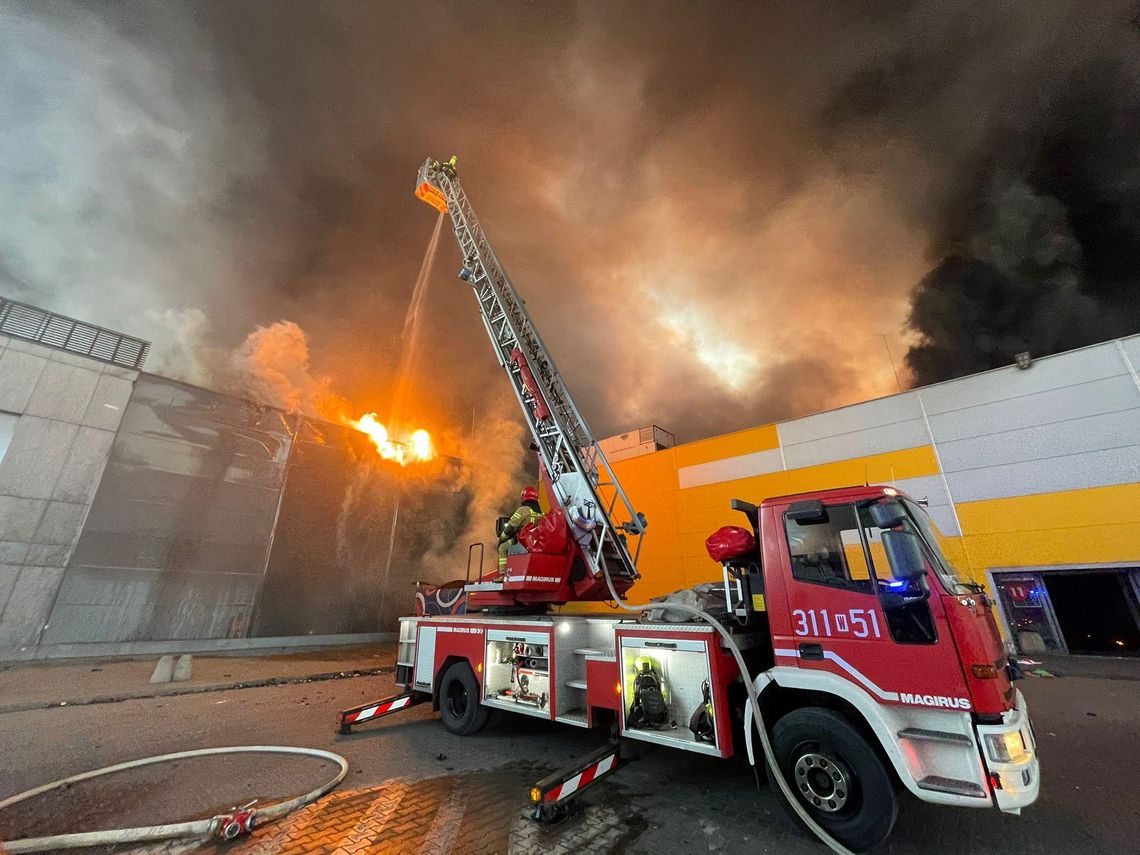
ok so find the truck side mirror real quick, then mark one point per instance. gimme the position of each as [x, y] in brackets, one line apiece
[887, 514]
[749, 510]
[904, 553]
[500, 524]
[807, 512]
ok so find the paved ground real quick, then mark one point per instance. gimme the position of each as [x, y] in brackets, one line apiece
[62, 683]
[413, 787]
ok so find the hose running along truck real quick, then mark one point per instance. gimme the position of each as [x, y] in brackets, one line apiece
[845, 653]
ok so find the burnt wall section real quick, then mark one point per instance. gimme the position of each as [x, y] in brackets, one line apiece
[176, 543]
[58, 417]
[311, 586]
[351, 535]
[134, 508]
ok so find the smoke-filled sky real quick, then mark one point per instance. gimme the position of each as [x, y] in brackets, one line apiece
[716, 212]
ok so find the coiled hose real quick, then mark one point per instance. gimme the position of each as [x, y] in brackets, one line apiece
[226, 826]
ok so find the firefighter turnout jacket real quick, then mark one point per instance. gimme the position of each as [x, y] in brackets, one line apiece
[528, 512]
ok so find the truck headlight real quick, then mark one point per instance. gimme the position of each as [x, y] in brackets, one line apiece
[1006, 747]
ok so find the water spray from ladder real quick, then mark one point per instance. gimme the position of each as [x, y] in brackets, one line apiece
[410, 338]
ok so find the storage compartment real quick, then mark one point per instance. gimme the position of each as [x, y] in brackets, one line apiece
[576, 639]
[518, 670]
[406, 652]
[664, 683]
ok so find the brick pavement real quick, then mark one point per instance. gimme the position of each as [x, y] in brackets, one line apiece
[480, 813]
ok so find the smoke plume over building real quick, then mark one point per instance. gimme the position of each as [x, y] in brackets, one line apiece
[715, 212]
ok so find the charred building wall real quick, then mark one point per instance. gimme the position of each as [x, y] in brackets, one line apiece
[194, 515]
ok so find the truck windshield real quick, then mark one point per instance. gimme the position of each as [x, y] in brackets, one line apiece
[929, 532]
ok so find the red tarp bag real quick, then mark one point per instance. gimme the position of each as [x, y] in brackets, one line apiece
[549, 536]
[729, 542]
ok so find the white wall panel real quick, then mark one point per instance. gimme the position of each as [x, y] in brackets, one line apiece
[871, 414]
[878, 440]
[1095, 469]
[1131, 347]
[36, 456]
[1043, 442]
[1111, 394]
[730, 468]
[1070, 369]
[19, 374]
[932, 489]
[63, 391]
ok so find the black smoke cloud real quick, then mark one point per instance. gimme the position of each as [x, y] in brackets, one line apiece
[1034, 223]
[714, 211]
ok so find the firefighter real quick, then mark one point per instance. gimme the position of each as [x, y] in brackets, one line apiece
[528, 512]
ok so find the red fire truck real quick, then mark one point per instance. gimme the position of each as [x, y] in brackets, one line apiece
[843, 648]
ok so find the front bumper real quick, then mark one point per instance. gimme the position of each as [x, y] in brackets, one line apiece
[1015, 785]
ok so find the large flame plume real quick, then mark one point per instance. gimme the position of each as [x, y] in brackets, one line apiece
[272, 365]
[416, 448]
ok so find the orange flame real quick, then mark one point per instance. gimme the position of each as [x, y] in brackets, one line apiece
[416, 448]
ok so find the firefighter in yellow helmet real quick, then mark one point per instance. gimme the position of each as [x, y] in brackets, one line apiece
[528, 512]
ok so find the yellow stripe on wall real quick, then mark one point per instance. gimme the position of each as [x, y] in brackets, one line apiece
[1098, 525]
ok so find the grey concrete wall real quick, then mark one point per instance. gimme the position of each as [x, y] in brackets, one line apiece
[137, 510]
[176, 543]
[63, 411]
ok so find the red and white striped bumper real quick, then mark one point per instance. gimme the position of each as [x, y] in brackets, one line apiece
[583, 778]
[376, 709]
[572, 779]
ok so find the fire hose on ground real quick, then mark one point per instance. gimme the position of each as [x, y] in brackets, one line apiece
[223, 826]
[754, 702]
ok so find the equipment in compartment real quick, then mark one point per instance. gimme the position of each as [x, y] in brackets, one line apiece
[529, 674]
[649, 709]
[701, 721]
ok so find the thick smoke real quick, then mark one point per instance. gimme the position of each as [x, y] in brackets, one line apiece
[273, 366]
[715, 212]
[1029, 112]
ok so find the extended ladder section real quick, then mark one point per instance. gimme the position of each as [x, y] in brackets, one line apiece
[581, 478]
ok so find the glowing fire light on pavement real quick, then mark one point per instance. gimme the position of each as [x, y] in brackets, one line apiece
[415, 449]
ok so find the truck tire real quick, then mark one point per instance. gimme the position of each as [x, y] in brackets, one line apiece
[459, 705]
[837, 776]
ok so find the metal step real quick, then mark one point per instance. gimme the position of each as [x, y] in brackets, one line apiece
[588, 651]
[576, 717]
[937, 784]
[934, 736]
[575, 684]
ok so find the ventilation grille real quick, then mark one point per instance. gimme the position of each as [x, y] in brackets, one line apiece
[20, 320]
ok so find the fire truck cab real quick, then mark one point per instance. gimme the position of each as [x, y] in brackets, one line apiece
[875, 663]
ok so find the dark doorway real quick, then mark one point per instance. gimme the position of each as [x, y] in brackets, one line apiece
[1097, 612]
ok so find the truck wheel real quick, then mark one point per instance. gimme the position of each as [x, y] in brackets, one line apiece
[837, 776]
[459, 700]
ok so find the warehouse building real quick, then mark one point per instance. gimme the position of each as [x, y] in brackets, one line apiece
[139, 513]
[1032, 474]
[142, 514]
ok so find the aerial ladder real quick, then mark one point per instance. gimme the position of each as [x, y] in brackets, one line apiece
[579, 480]
[895, 679]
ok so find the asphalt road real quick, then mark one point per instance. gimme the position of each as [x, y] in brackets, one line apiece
[668, 801]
